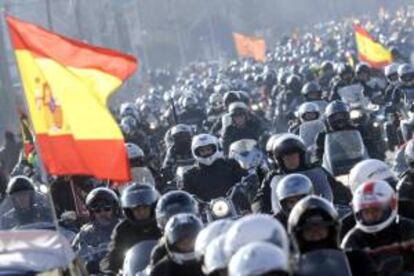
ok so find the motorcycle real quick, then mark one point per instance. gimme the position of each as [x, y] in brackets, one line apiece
[27, 217]
[323, 262]
[235, 204]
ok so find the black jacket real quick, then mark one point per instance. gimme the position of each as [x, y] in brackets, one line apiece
[402, 229]
[263, 202]
[209, 182]
[124, 236]
[252, 130]
[166, 267]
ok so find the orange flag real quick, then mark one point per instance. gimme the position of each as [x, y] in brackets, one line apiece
[247, 46]
[369, 50]
[66, 85]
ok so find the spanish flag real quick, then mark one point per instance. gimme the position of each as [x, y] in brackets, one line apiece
[247, 46]
[369, 50]
[67, 84]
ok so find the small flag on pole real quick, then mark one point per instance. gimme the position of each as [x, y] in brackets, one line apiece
[248, 46]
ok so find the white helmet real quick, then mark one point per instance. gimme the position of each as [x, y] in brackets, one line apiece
[209, 233]
[308, 108]
[214, 258]
[390, 70]
[255, 227]
[258, 258]
[203, 140]
[370, 170]
[375, 194]
[247, 153]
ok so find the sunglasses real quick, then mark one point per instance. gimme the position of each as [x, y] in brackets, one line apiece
[101, 209]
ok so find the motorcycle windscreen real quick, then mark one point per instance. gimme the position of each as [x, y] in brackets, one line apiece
[142, 175]
[407, 127]
[309, 130]
[138, 257]
[319, 180]
[26, 210]
[352, 94]
[343, 149]
[408, 95]
[323, 262]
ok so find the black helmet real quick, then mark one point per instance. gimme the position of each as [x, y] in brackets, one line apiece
[181, 134]
[327, 67]
[314, 210]
[172, 203]
[139, 195]
[294, 83]
[179, 228]
[19, 183]
[344, 69]
[101, 195]
[337, 115]
[312, 91]
[230, 97]
[362, 68]
[286, 144]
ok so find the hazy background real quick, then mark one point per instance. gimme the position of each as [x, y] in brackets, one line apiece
[166, 33]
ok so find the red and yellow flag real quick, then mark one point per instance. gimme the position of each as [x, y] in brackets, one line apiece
[247, 46]
[369, 50]
[66, 85]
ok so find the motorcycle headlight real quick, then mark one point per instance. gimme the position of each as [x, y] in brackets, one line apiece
[220, 208]
[355, 114]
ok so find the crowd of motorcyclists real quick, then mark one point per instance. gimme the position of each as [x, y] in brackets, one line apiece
[301, 165]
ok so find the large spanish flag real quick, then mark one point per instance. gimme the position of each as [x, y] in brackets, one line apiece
[248, 46]
[369, 50]
[66, 85]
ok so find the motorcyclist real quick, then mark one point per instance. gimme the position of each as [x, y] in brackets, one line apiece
[314, 225]
[179, 153]
[244, 125]
[363, 76]
[288, 100]
[307, 111]
[377, 224]
[289, 153]
[170, 204]
[337, 119]
[367, 170]
[312, 92]
[327, 73]
[345, 75]
[140, 170]
[92, 240]
[289, 191]
[403, 91]
[180, 235]
[27, 205]
[192, 112]
[212, 176]
[405, 187]
[138, 203]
